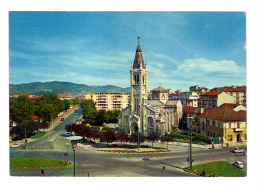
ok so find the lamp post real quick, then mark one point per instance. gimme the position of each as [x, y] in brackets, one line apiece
[74, 140]
[190, 160]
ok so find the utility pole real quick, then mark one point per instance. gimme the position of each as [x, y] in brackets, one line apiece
[138, 139]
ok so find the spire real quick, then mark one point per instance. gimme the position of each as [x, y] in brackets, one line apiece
[138, 57]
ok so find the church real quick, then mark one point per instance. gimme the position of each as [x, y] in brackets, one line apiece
[157, 115]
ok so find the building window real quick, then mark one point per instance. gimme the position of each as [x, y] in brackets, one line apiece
[163, 97]
[213, 123]
[219, 124]
[203, 126]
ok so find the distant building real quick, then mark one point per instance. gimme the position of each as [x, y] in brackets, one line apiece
[64, 96]
[189, 99]
[109, 101]
[198, 89]
[212, 100]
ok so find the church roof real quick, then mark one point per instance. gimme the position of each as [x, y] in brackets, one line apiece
[155, 103]
[172, 102]
[161, 89]
[138, 58]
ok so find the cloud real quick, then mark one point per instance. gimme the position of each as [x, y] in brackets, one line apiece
[209, 66]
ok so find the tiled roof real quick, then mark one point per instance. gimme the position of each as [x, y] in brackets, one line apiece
[34, 117]
[190, 110]
[173, 94]
[224, 114]
[237, 89]
[211, 93]
[228, 105]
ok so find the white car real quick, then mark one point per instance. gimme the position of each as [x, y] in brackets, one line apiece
[237, 150]
[15, 145]
[238, 164]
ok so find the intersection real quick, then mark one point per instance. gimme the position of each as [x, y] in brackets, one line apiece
[93, 163]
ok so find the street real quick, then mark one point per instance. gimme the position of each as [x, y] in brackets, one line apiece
[93, 163]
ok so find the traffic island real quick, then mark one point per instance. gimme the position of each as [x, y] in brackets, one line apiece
[134, 150]
[216, 169]
[36, 163]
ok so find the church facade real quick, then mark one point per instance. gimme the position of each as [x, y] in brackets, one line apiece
[146, 116]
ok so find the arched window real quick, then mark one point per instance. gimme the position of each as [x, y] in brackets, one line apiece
[163, 96]
[150, 124]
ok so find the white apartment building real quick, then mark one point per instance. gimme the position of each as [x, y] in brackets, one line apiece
[188, 98]
[109, 101]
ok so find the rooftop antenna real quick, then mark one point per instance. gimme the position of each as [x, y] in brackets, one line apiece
[138, 39]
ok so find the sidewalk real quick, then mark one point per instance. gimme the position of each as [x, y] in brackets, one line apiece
[53, 124]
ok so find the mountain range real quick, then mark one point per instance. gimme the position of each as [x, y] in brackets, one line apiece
[59, 87]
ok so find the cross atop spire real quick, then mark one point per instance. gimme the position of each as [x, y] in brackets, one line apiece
[138, 39]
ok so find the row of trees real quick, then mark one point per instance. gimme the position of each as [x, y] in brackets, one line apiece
[110, 136]
[47, 108]
[95, 117]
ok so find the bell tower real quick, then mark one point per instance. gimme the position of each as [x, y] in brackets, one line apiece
[138, 99]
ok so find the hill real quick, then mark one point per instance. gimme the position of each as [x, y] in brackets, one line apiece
[59, 87]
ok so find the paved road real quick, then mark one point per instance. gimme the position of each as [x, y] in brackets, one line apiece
[93, 163]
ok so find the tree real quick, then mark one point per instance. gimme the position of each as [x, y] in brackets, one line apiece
[134, 138]
[21, 110]
[109, 136]
[101, 117]
[153, 137]
[48, 112]
[123, 137]
[113, 116]
[167, 139]
[66, 104]
[95, 134]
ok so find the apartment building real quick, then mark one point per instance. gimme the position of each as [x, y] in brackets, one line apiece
[109, 101]
[212, 100]
[239, 93]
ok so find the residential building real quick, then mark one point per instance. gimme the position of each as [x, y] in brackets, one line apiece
[189, 115]
[64, 96]
[189, 99]
[109, 101]
[146, 116]
[239, 93]
[211, 100]
[222, 122]
[199, 89]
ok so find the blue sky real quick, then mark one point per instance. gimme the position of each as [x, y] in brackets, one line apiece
[96, 48]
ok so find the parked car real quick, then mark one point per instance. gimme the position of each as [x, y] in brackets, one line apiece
[62, 118]
[68, 134]
[15, 145]
[237, 150]
[238, 164]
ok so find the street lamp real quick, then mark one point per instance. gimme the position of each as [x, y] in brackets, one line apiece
[74, 140]
[190, 160]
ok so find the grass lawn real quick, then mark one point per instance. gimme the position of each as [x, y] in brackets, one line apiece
[17, 163]
[38, 135]
[218, 168]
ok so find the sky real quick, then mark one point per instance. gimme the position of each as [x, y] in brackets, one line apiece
[180, 49]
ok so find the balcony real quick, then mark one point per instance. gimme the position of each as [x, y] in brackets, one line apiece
[238, 129]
